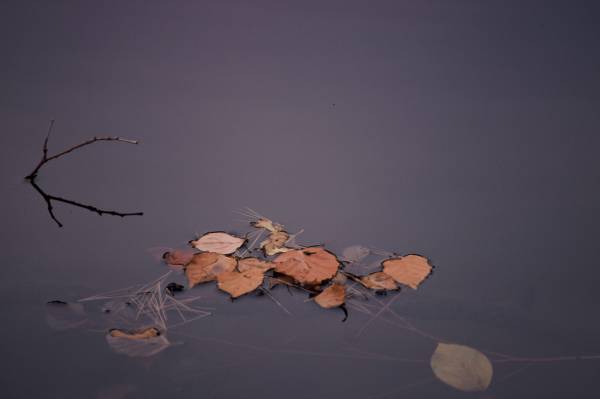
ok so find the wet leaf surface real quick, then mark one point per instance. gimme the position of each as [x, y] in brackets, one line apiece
[379, 282]
[254, 263]
[206, 266]
[309, 266]
[332, 296]
[410, 270]
[237, 283]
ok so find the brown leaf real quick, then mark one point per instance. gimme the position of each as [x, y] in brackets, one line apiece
[178, 257]
[206, 266]
[332, 296]
[267, 224]
[136, 334]
[219, 242]
[254, 263]
[462, 367]
[409, 270]
[281, 279]
[309, 266]
[379, 282]
[237, 284]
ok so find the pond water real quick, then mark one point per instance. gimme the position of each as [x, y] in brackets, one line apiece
[461, 131]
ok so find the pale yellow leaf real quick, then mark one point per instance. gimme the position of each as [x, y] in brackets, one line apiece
[462, 367]
[219, 242]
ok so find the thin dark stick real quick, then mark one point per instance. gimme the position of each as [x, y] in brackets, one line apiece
[49, 198]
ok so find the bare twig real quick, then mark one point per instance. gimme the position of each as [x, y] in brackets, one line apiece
[49, 198]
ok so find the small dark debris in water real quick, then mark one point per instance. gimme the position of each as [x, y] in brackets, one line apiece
[56, 302]
[343, 307]
[172, 288]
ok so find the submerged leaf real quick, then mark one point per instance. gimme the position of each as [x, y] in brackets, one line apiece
[309, 266]
[206, 266]
[409, 270]
[379, 282]
[355, 253]
[138, 343]
[462, 367]
[178, 257]
[239, 283]
[254, 263]
[332, 296]
[61, 315]
[219, 242]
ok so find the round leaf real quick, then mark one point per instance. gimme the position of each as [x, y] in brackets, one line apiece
[309, 266]
[409, 270]
[462, 367]
[219, 242]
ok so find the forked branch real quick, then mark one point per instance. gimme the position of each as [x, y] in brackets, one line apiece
[49, 198]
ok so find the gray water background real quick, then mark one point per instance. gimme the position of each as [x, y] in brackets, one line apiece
[465, 131]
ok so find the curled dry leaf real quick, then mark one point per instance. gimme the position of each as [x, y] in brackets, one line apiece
[254, 263]
[275, 243]
[264, 223]
[309, 266]
[409, 270]
[239, 283]
[219, 242]
[138, 343]
[332, 296]
[178, 257]
[462, 367]
[379, 282]
[206, 266]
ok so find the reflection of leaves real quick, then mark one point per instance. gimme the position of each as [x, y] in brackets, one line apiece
[137, 343]
[409, 270]
[239, 283]
[332, 296]
[462, 367]
[309, 266]
[206, 266]
[219, 242]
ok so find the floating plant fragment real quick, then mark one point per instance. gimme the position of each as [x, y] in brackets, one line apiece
[137, 343]
[264, 223]
[239, 283]
[275, 243]
[462, 367]
[254, 263]
[379, 282]
[219, 242]
[309, 266]
[355, 253]
[409, 270]
[206, 266]
[332, 296]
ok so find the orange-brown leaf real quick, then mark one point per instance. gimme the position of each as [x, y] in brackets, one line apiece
[409, 270]
[254, 263]
[309, 266]
[332, 296]
[239, 283]
[206, 266]
[178, 257]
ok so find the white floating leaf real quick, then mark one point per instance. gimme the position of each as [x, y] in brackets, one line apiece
[462, 367]
[219, 242]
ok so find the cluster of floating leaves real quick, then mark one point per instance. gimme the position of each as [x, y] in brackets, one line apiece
[145, 313]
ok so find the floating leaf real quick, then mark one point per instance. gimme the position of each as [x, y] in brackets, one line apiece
[409, 270]
[355, 253]
[206, 266]
[332, 296]
[379, 282]
[309, 266]
[281, 279]
[219, 242]
[137, 343]
[254, 263]
[239, 283]
[339, 278]
[178, 257]
[462, 367]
